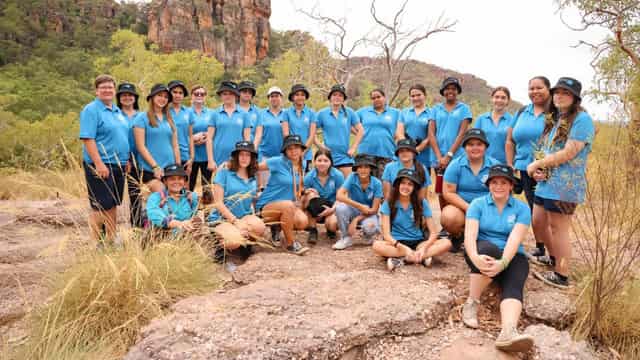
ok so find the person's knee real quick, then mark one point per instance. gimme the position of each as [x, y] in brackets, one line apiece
[342, 210]
[370, 227]
[300, 220]
[452, 219]
[489, 249]
[255, 224]
[331, 223]
[378, 247]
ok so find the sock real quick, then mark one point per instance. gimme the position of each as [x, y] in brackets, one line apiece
[561, 277]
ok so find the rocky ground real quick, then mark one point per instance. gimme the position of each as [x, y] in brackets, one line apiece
[325, 305]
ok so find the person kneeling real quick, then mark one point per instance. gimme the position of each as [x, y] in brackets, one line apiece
[496, 225]
[402, 226]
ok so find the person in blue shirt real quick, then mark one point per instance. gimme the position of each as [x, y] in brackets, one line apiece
[269, 131]
[234, 190]
[561, 176]
[497, 223]
[156, 137]
[496, 122]
[321, 185]
[522, 140]
[360, 197]
[199, 117]
[174, 207]
[247, 91]
[227, 126]
[104, 132]
[380, 124]
[279, 200]
[337, 123]
[182, 119]
[299, 119]
[407, 159]
[408, 230]
[465, 180]
[414, 124]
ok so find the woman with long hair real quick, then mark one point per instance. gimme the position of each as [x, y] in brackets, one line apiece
[407, 154]
[496, 122]
[414, 124]
[182, 119]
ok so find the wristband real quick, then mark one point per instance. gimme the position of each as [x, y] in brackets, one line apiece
[156, 167]
[450, 154]
[505, 263]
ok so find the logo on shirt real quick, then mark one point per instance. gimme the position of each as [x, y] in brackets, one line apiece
[253, 116]
[387, 117]
[121, 118]
[332, 184]
[239, 121]
[185, 117]
[511, 219]
[484, 178]
[370, 195]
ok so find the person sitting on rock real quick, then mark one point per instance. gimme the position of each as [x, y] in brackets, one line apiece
[464, 180]
[360, 197]
[174, 207]
[406, 153]
[321, 185]
[408, 230]
[495, 227]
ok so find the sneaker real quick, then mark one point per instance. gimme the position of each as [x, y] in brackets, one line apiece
[331, 235]
[427, 262]
[297, 249]
[443, 234]
[343, 243]
[510, 340]
[229, 266]
[393, 263]
[313, 236]
[551, 278]
[470, 313]
[543, 260]
[535, 252]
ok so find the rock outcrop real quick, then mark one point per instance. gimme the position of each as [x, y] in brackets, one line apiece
[236, 32]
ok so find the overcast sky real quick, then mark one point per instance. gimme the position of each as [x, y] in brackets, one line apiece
[505, 42]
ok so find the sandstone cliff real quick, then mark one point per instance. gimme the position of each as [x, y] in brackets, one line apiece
[236, 32]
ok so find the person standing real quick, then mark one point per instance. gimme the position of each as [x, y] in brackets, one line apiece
[247, 91]
[496, 122]
[299, 119]
[200, 116]
[269, 131]
[414, 124]
[182, 120]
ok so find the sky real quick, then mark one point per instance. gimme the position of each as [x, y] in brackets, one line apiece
[505, 42]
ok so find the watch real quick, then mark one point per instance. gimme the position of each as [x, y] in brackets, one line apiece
[450, 154]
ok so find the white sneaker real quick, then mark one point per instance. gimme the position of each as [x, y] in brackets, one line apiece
[470, 313]
[343, 243]
[510, 340]
[427, 262]
[393, 263]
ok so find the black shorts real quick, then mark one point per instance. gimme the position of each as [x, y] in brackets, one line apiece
[147, 176]
[411, 244]
[104, 194]
[343, 165]
[556, 206]
[512, 279]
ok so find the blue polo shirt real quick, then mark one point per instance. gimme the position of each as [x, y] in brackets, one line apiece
[392, 169]
[200, 123]
[181, 210]
[379, 131]
[252, 116]
[365, 197]
[271, 142]
[403, 226]
[158, 141]
[567, 182]
[495, 226]
[336, 132]
[417, 126]
[447, 127]
[469, 185]
[330, 188]
[299, 125]
[229, 130]
[527, 129]
[238, 193]
[496, 134]
[109, 128]
[182, 120]
[132, 141]
[280, 184]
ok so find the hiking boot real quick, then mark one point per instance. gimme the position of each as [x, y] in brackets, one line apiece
[543, 260]
[343, 243]
[551, 278]
[427, 262]
[331, 235]
[297, 249]
[535, 252]
[510, 340]
[470, 313]
[394, 262]
[275, 235]
[312, 239]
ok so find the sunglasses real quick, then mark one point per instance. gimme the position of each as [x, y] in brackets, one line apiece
[199, 94]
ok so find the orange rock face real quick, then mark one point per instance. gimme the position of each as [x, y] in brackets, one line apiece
[236, 32]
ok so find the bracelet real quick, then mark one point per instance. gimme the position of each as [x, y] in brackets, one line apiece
[505, 263]
[156, 167]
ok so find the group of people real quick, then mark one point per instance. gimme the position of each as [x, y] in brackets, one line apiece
[363, 172]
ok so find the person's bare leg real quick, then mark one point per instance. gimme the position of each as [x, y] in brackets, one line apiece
[384, 249]
[452, 220]
[441, 246]
[284, 212]
[331, 223]
[300, 220]
[110, 222]
[542, 227]
[345, 170]
[561, 242]
[253, 225]
[477, 284]
[510, 310]
[96, 219]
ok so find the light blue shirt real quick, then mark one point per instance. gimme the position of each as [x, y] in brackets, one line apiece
[392, 169]
[330, 188]
[527, 129]
[403, 226]
[271, 142]
[200, 123]
[109, 128]
[300, 125]
[357, 194]
[280, 184]
[469, 185]
[496, 134]
[567, 182]
[447, 127]
[252, 116]
[158, 140]
[417, 126]
[379, 131]
[182, 120]
[336, 132]
[238, 193]
[229, 130]
[132, 141]
[496, 226]
[181, 210]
